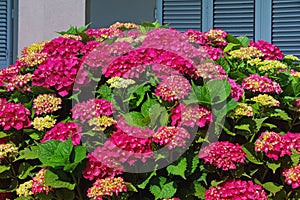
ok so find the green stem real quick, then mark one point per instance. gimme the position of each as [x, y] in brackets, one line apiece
[77, 187]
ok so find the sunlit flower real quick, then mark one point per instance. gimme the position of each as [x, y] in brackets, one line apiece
[243, 109]
[70, 36]
[19, 83]
[217, 37]
[100, 123]
[292, 176]
[237, 91]
[292, 141]
[46, 103]
[124, 26]
[172, 137]
[223, 155]
[32, 60]
[25, 189]
[272, 144]
[246, 53]
[263, 84]
[8, 151]
[268, 65]
[33, 48]
[291, 57]
[254, 61]
[236, 189]
[106, 187]
[38, 183]
[209, 70]
[118, 82]
[105, 33]
[42, 123]
[266, 100]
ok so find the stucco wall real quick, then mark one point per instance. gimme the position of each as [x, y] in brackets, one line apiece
[106, 12]
[39, 20]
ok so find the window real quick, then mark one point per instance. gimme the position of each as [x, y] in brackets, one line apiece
[6, 33]
[275, 21]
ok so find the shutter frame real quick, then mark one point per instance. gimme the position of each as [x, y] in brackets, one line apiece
[5, 33]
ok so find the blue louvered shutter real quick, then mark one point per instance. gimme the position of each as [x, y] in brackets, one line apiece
[236, 17]
[286, 26]
[5, 33]
[182, 14]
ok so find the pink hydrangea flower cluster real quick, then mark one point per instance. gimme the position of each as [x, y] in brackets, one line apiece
[171, 137]
[95, 169]
[214, 37]
[10, 72]
[163, 72]
[292, 141]
[236, 189]
[213, 52]
[91, 108]
[270, 51]
[173, 88]
[38, 183]
[172, 41]
[210, 70]
[46, 103]
[13, 115]
[263, 84]
[223, 155]
[143, 57]
[292, 176]
[197, 36]
[63, 131]
[104, 33]
[236, 90]
[191, 115]
[273, 145]
[106, 187]
[19, 83]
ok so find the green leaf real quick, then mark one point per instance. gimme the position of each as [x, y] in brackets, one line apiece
[244, 40]
[243, 127]
[249, 155]
[147, 106]
[231, 39]
[4, 168]
[53, 180]
[295, 157]
[271, 187]
[219, 90]
[199, 190]
[195, 163]
[135, 119]
[278, 113]
[231, 105]
[230, 46]
[79, 155]
[164, 191]
[158, 116]
[131, 187]
[215, 183]
[55, 153]
[273, 166]
[3, 134]
[105, 92]
[29, 153]
[259, 123]
[178, 169]
[24, 170]
[145, 183]
[65, 194]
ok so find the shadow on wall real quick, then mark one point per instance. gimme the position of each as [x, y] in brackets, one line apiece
[104, 14]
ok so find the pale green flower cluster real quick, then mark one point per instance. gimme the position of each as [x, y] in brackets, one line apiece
[25, 189]
[266, 100]
[267, 65]
[118, 82]
[8, 151]
[243, 109]
[42, 123]
[246, 53]
[291, 57]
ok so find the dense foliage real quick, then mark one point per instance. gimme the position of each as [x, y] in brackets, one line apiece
[146, 112]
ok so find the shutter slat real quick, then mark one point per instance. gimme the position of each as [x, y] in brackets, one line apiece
[234, 16]
[286, 26]
[4, 59]
[182, 14]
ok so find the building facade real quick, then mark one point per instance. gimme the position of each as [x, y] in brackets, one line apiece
[23, 22]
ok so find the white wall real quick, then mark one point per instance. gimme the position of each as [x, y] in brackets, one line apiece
[39, 20]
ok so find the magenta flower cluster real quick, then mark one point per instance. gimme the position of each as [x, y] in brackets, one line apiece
[273, 145]
[63, 131]
[173, 88]
[223, 155]
[263, 84]
[210, 70]
[270, 51]
[13, 115]
[104, 33]
[171, 137]
[91, 108]
[190, 115]
[292, 176]
[237, 91]
[236, 189]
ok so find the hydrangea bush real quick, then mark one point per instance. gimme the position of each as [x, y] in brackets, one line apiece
[146, 112]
